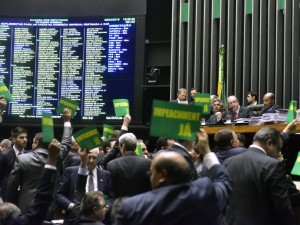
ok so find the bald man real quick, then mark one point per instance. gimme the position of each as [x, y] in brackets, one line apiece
[269, 104]
[174, 198]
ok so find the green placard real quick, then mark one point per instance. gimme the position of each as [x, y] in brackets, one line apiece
[296, 168]
[281, 4]
[5, 92]
[47, 127]
[185, 12]
[203, 99]
[292, 111]
[216, 9]
[121, 107]
[175, 120]
[108, 131]
[248, 6]
[88, 137]
[139, 150]
[67, 103]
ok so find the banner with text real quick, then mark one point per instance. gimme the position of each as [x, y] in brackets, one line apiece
[175, 120]
[203, 99]
[67, 103]
[88, 137]
[47, 127]
[121, 107]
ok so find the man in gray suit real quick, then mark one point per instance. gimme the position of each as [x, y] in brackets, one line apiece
[27, 170]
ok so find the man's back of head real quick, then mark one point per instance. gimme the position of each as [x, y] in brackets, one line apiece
[169, 168]
[93, 205]
[270, 140]
[127, 142]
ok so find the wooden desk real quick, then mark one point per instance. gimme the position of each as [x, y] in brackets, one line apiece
[245, 128]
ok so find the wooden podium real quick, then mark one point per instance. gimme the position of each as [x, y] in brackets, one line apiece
[245, 128]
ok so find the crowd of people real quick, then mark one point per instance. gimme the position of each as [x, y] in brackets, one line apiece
[180, 182]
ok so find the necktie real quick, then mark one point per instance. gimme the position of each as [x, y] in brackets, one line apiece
[234, 115]
[20, 153]
[91, 182]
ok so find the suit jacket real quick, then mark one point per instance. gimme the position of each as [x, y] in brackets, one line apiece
[75, 217]
[266, 110]
[26, 175]
[7, 162]
[175, 100]
[213, 119]
[129, 174]
[72, 159]
[66, 190]
[197, 202]
[244, 112]
[224, 154]
[36, 213]
[260, 193]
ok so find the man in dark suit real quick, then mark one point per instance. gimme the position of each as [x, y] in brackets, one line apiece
[218, 113]
[100, 180]
[235, 110]
[227, 144]
[36, 213]
[260, 187]
[90, 206]
[181, 96]
[24, 178]
[193, 94]
[176, 200]
[129, 172]
[9, 157]
[269, 104]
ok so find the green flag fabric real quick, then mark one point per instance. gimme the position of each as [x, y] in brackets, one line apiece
[108, 131]
[88, 137]
[121, 107]
[5, 92]
[203, 99]
[175, 120]
[139, 150]
[296, 168]
[292, 111]
[67, 103]
[47, 127]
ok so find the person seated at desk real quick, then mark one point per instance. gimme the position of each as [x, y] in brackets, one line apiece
[252, 98]
[235, 110]
[181, 96]
[219, 113]
[269, 104]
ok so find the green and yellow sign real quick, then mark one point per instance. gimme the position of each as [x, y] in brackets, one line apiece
[67, 103]
[296, 168]
[203, 99]
[5, 92]
[88, 137]
[139, 150]
[47, 127]
[175, 120]
[121, 107]
[108, 131]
